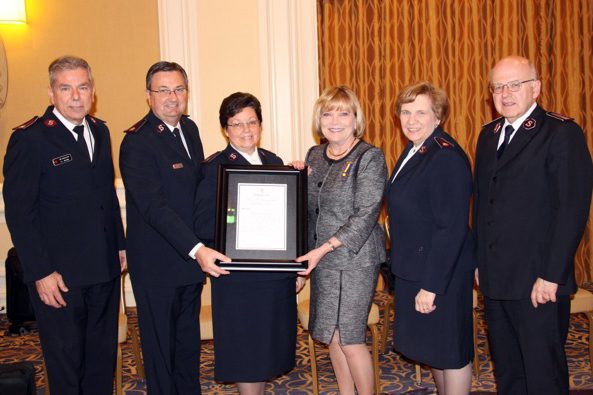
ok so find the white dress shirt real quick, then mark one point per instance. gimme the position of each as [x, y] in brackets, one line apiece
[181, 135]
[410, 154]
[516, 125]
[88, 136]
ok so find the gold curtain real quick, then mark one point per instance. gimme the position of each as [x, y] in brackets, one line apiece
[379, 46]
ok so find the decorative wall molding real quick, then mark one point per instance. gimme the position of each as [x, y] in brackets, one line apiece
[289, 77]
[288, 65]
[289, 73]
[178, 34]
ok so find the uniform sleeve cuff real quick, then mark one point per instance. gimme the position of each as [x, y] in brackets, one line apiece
[193, 251]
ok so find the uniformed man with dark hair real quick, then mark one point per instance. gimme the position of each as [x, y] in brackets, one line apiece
[160, 165]
[533, 180]
[64, 219]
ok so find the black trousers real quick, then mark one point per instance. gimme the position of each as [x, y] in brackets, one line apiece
[169, 319]
[527, 345]
[79, 341]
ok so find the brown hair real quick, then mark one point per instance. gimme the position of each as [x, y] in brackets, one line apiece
[164, 66]
[438, 97]
[234, 104]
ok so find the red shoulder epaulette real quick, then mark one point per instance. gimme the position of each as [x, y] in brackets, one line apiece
[443, 143]
[26, 124]
[264, 152]
[214, 155]
[95, 119]
[559, 117]
[134, 128]
[491, 122]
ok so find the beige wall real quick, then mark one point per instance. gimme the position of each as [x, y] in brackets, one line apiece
[228, 50]
[118, 38]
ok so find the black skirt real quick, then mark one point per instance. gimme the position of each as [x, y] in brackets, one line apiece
[442, 339]
[255, 324]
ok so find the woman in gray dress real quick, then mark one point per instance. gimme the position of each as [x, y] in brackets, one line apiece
[346, 182]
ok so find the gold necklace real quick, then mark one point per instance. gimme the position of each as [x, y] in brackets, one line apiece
[343, 152]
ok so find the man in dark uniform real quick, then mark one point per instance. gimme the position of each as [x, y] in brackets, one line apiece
[64, 219]
[533, 181]
[160, 165]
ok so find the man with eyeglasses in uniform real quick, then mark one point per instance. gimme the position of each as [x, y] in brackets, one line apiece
[64, 219]
[532, 191]
[160, 160]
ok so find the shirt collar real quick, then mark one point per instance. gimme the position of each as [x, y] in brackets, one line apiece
[69, 125]
[178, 126]
[253, 158]
[519, 121]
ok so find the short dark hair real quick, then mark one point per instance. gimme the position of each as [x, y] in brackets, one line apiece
[438, 97]
[68, 63]
[164, 66]
[234, 104]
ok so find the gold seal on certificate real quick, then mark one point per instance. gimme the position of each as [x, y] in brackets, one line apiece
[261, 217]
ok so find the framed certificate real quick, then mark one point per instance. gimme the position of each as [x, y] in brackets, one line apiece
[261, 217]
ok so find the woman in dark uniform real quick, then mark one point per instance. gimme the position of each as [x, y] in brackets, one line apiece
[254, 313]
[431, 251]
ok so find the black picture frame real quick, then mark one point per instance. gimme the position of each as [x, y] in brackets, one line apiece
[233, 237]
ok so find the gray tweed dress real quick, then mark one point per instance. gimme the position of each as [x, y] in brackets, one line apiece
[345, 198]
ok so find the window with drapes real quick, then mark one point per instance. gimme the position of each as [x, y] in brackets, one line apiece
[379, 46]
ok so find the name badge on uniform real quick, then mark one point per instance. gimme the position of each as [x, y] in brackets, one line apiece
[177, 166]
[60, 160]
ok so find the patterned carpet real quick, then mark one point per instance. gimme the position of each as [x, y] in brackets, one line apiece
[397, 374]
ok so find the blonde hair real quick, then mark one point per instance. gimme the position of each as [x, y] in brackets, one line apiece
[338, 98]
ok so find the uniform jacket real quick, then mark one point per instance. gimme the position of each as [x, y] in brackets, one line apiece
[345, 197]
[532, 205]
[428, 205]
[61, 209]
[161, 182]
[205, 215]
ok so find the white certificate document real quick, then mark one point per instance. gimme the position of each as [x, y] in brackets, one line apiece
[261, 216]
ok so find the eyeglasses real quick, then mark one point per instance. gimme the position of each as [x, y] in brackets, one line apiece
[513, 86]
[167, 91]
[244, 125]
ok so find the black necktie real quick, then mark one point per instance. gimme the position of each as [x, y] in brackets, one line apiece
[79, 130]
[507, 137]
[178, 141]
